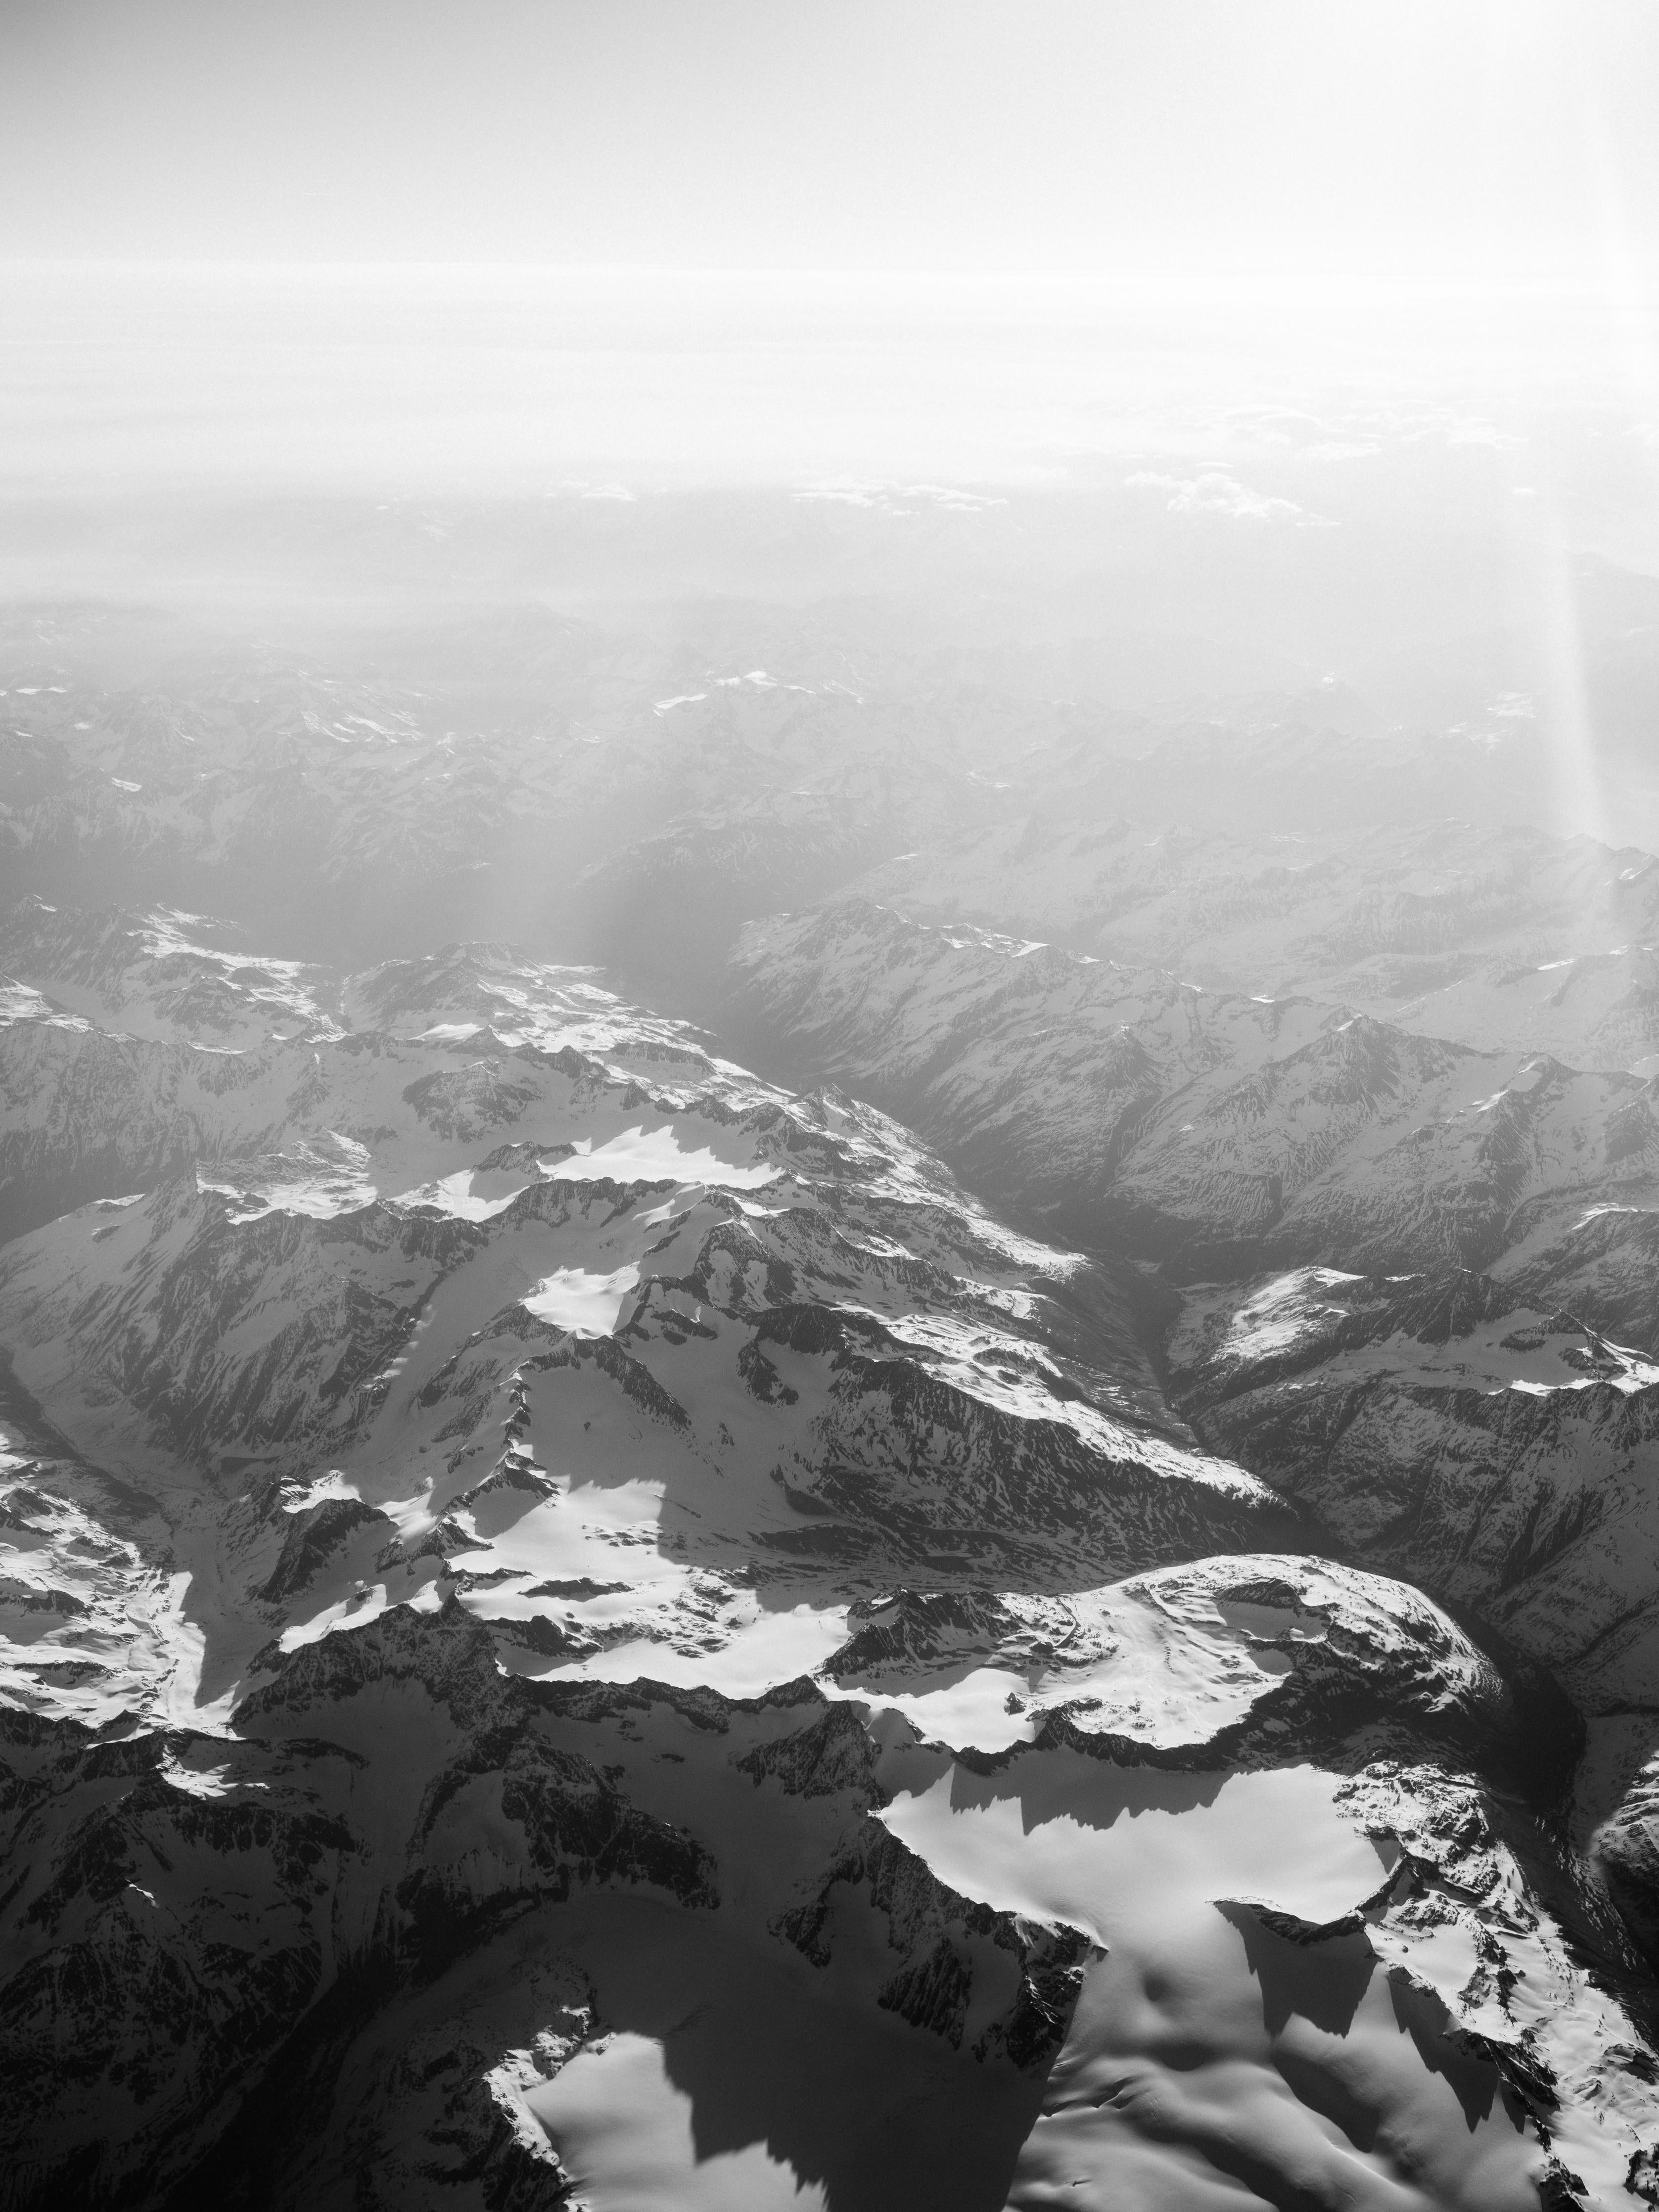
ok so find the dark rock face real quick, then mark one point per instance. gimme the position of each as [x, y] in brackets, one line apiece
[315, 1533]
[178, 1921]
[1211, 1132]
[931, 1927]
[1527, 1506]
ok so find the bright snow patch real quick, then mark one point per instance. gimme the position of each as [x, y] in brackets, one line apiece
[322, 1178]
[642, 1155]
[1284, 1311]
[758, 1654]
[624, 2125]
[590, 1304]
[470, 1194]
[1187, 1839]
[18, 1003]
[297, 1497]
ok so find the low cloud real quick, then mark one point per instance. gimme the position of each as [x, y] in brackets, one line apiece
[1216, 492]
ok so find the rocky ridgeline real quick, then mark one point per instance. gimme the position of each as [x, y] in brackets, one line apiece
[1456, 929]
[1206, 1131]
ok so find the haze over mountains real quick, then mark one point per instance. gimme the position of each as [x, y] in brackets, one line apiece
[841, 1388]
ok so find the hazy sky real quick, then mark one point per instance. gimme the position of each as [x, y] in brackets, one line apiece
[1305, 273]
[405, 243]
[1290, 136]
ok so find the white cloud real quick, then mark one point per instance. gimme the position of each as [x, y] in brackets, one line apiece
[1215, 491]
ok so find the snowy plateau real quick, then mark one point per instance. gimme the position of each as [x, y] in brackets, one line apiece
[785, 1441]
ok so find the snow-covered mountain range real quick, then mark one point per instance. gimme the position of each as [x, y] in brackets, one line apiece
[549, 1578]
[970, 1526]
